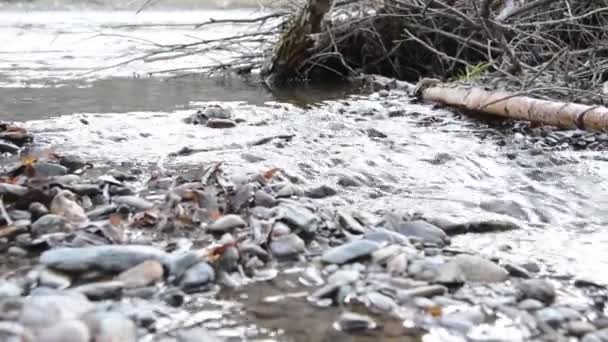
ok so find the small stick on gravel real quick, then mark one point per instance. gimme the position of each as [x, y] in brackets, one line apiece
[3, 212]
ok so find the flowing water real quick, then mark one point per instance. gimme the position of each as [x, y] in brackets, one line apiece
[432, 161]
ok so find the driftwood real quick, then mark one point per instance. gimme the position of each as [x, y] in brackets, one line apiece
[514, 106]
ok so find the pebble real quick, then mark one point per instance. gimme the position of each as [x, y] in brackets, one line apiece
[287, 246]
[220, 123]
[550, 316]
[52, 223]
[45, 169]
[65, 331]
[596, 336]
[101, 290]
[349, 251]
[517, 271]
[197, 276]
[9, 289]
[469, 268]
[133, 202]
[321, 191]
[17, 252]
[344, 277]
[147, 273]
[299, 218]
[351, 322]
[111, 326]
[530, 305]
[7, 147]
[422, 230]
[53, 279]
[64, 204]
[422, 291]
[226, 224]
[539, 289]
[110, 258]
[12, 192]
[579, 328]
[44, 310]
[264, 199]
[37, 210]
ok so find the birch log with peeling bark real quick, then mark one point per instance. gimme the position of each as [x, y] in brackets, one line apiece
[515, 106]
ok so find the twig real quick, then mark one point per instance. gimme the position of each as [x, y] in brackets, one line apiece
[7, 218]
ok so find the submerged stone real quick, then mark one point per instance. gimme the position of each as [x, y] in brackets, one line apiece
[349, 251]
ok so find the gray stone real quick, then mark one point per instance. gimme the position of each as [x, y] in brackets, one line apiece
[133, 202]
[421, 230]
[321, 191]
[179, 263]
[597, 336]
[47, 309]
[144, 274]
[197, 276]
[15, 332]
[264, 199]
[110, 258]
[349, 251]
[64, 204]
[45, 169]
[52, 223]
[9, 289]
[111, 326]
[351, 322]
[530, 305]
[470, 268]
[579, 328]
[550, 316]
[226, 223]
[65, 331]
[299, 218]
[216, 112]
[422, 291]
[287, 246]
[343, 277]
[101, 290]
[538, 289]
[54, 279]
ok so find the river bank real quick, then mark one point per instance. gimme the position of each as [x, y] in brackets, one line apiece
[153, 251]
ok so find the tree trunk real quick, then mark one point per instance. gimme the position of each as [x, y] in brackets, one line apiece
[515, 106]
[294, 46]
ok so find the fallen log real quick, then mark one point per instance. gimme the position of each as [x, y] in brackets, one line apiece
[514, 106]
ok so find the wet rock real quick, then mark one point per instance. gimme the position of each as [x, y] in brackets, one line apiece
[7, 147]
[377, 302]
[133, 202]
[102, 211]
[226, 224]
[422, 291]
[419, 229]
[374, 133]
[321, 191]
[344, 277]
[530, 305]
[179, 263]
[15, 332]
[349, 223]
[101, 258]
[349, 251]
[229, 261]
[352, 322]
[197, 335]
[64, 204]
[197, 276]
[287, 246]
[579, 328]
[348, 181]
[111, 326]
[9, 289]
[144, 274]
[517, 271]
[506, 207]
[53, 279]
[47, 309]
[469, 268]
[52, 223]
[101, 290]
[487, 226]
[385, 235]
[462, 320]
[44, 169]
[597, 336]
[84, 189]
[12, 192]
[531, 267]
[37, 210]
[17, 252]
[72, 162]
[16, 137]
[66, 331]
[220, 123]
[539, 289]
[397, 264]
[299, 218]
[264, 199]
[550, 316]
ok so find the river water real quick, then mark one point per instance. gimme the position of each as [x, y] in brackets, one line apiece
[432, 161]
